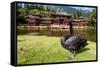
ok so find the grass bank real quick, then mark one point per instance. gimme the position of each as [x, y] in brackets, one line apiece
[43, 49]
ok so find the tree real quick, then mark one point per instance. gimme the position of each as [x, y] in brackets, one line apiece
[79, 13]
[34, 11]
[75, 15]
[93, 18]
[23, 11]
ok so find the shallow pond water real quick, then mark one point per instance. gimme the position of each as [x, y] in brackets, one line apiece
[89, 33]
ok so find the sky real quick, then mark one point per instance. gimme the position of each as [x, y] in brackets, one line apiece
[85, 8]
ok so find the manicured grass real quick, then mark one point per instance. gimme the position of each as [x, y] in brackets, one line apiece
[44, 49]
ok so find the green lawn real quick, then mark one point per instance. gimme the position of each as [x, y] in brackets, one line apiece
[43, 49]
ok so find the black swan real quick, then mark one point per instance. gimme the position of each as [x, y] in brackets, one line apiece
[73, 43]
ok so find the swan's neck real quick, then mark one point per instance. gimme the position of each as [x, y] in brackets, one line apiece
[71, 28]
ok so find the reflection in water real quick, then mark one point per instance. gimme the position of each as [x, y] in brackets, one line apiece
[89, 33]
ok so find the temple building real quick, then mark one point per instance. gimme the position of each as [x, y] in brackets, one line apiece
[59, 19]
[32, 19]
[81, 22]
[45, 21]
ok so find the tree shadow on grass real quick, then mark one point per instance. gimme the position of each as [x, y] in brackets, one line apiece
[83, 50]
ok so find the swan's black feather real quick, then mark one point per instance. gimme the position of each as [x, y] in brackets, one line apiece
[72, 42]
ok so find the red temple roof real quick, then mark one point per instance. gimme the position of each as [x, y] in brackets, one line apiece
[81, 17]
[45, 18]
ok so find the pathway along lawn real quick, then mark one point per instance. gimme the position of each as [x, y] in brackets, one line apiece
[43, 49]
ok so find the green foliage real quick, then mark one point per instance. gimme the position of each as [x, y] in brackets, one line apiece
[23, 11]
[42, 11]
[34, 11]
[45, 14]
[93, 18]
[77, 14]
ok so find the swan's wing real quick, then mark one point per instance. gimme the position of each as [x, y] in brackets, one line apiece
[71, 43]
